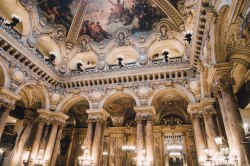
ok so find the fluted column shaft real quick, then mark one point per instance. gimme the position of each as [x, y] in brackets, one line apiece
[34, 149]
[50, 144]
[211, 130]
[56, 147]
[3, 118]
[226, 123]
[236, 125]
[22, 138]
[149, 142]
[139, 142]
[89, 135]
[199, 138]
[97, 143]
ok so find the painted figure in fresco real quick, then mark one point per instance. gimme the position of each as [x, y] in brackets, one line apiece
[56, 11]
[93, 30]
[119, 9]
[135, 15]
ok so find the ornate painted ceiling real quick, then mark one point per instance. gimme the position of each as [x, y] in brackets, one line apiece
[102, 18]
[96, 33]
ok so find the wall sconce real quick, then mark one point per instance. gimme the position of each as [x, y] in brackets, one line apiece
[165, 54]
[1, 151]
[79, 66]
[52, 58]
[16, 19]
[247, 133]
[120, 62]
[188, 37]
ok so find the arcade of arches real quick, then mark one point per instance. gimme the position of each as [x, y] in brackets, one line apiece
[124, 82]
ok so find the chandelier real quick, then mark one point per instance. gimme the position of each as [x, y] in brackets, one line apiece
[85, 159]
[128, 148]
[221, 158]
[247, 133]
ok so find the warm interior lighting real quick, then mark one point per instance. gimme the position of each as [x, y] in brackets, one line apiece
[174, 147]
[128, 148]
[175, 154]
[104, 153]
[1, 151]
[246, 128]
[26, 156]
[218, 140]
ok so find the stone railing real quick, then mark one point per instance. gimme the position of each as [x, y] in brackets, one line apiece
[132, 66]
[11, 44]
[18, 38]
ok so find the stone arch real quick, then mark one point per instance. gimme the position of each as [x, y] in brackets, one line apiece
[221, 3]
[42, 89]
[178, 89]
[4, 75]
[120, 106]
[172, 102]
[114, 92]
[70, 100]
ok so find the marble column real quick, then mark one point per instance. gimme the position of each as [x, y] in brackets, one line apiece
[140, 143]
[226, 122]
[18, 149]
[57, 146]
[189, 140]
[3, 118]
[35, 146]
[199, 137]
[234, 116]
[97, 143]
[211, 130]
[89, 136]
[149, 142]
[51, 142]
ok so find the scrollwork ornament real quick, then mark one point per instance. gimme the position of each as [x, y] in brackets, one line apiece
[143, 60]
[96, 95]
[144, 92]
[59, 34]
[122, 39]
[32, 38]
[63, 68]
[84, 44]
[101, 62]
[27, 3]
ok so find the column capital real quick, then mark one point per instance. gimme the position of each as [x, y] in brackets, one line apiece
[145, 112]
[97, 114]
[29, 116]
[8, 96]
[220, 70]
[52, 117]
[196, 116]
[59, 118]
[207, 103]
[194, 108]
[44, 115]
[208, 113]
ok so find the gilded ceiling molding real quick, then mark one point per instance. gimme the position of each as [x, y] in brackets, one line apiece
[170, 11]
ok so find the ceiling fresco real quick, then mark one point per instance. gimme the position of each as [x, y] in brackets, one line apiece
[103, 18]
[56, 12]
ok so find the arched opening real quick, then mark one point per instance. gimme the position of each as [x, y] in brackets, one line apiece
[25, 111]
[174, 120]
[74, 132]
